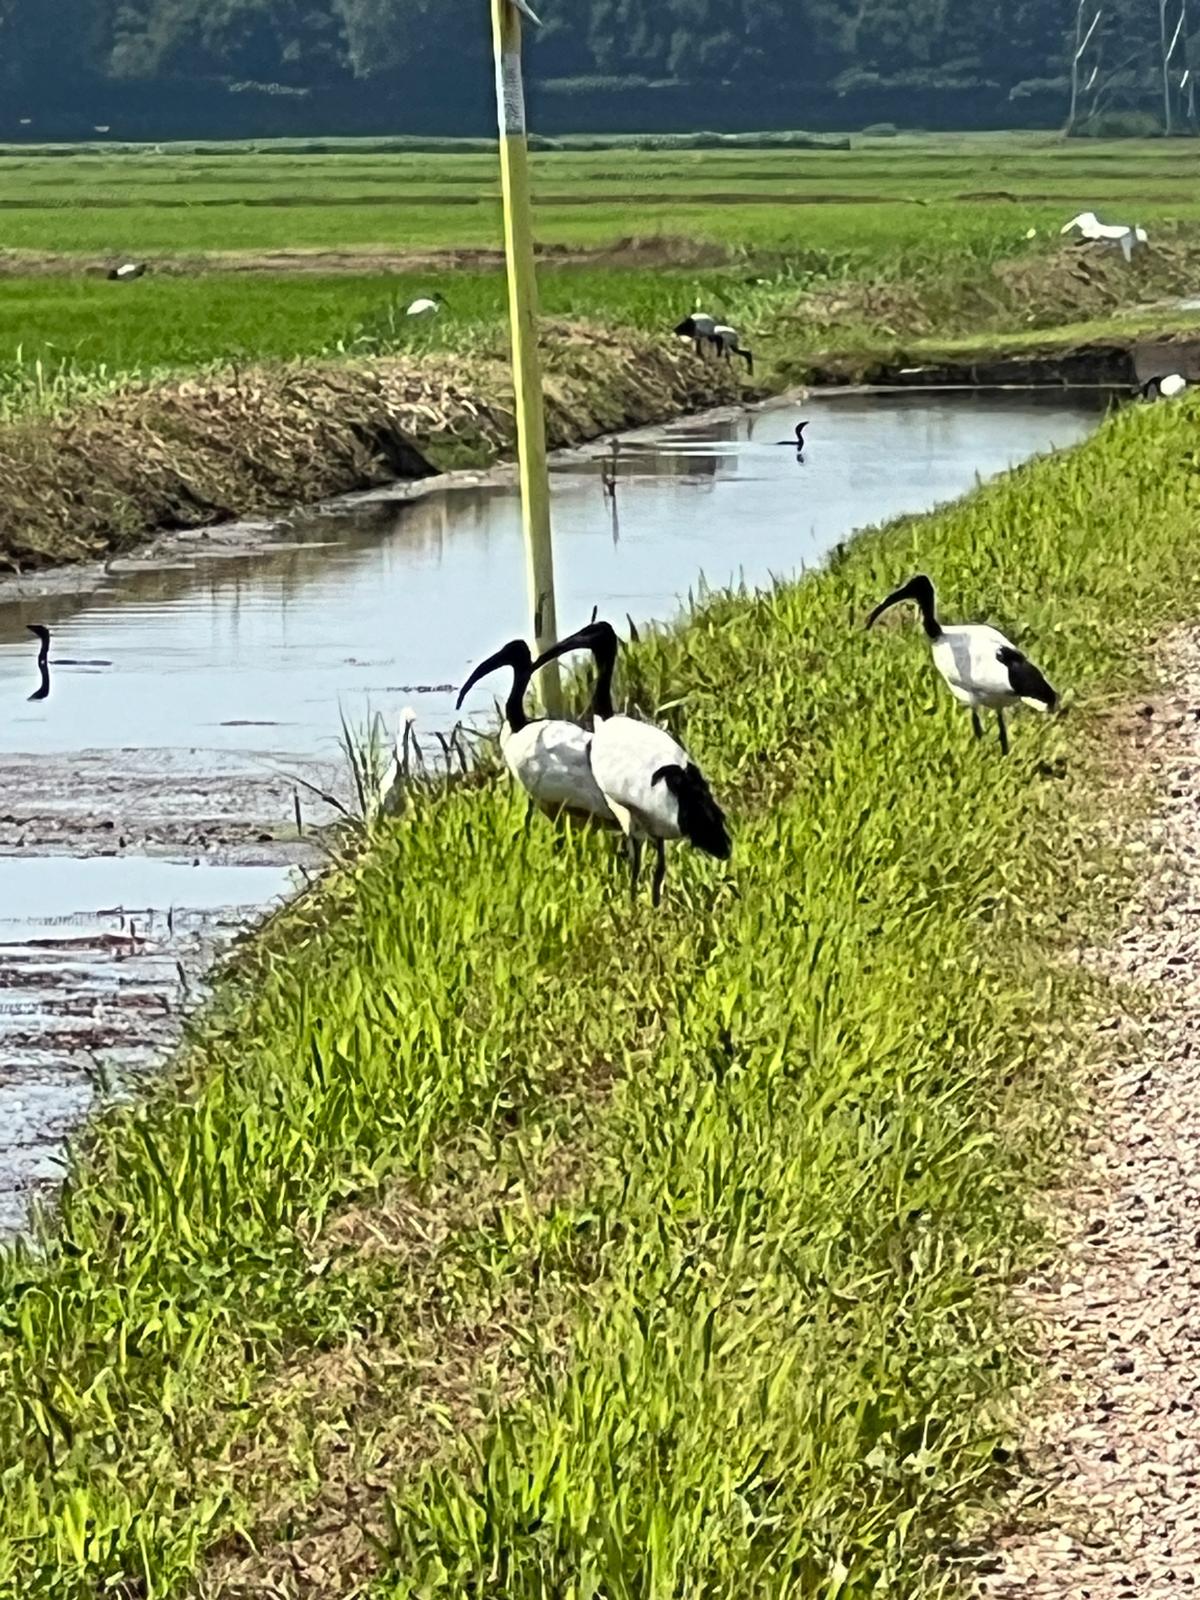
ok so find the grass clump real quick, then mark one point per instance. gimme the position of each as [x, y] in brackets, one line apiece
[491, 1238]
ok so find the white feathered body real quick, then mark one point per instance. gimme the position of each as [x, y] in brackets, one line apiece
[422, 308]
[968, 657]
[625, 756]
[549, 759]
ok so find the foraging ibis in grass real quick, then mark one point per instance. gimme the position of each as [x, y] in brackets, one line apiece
[699, 328]
[127, 272]
[547, 756]
[1166, 387]
[1092, 231]
[652, 786]
[427, 306]
[982, 668]
[42, 635]
[728, 342]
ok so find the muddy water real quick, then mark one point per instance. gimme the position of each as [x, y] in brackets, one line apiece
[147, 803]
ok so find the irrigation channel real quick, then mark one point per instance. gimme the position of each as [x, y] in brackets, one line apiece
[147, 803]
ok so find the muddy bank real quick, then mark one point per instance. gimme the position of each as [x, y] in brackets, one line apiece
[200, 451]
[1120, 364]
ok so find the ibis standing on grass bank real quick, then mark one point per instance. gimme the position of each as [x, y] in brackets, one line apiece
[547, 756]
[652, 786]
[127, 272]
[699, 328]
[426, 306]
[728, 342]
[982, 668]
[1166, 387]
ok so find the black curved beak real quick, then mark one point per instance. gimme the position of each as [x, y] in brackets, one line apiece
[514, 654]
[574, 641]
[884, 605]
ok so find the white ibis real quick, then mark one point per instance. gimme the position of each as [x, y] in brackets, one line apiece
[1089, 227]
[699, 328]
[982, 668]
[652, 786]
[728, 343]
[547, 756]
[127, 272]
[1165, 387]
[427, 306]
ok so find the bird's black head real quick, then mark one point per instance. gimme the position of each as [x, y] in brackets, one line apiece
[515, 654]
[601, 639]
[598, 637]
[918, 589]
[40, 632]
[800, 427]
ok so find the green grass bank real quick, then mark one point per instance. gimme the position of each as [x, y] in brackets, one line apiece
[493, 1238]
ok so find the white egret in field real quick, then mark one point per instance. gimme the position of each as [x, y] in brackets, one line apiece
[1090, 229]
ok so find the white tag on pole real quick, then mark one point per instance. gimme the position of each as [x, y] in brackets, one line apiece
[510, 93]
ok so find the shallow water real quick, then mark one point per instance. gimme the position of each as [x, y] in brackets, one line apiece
[146, 805]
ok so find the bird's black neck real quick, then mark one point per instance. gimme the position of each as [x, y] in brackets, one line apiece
[514, 709]
[929, 621]
[602, 701]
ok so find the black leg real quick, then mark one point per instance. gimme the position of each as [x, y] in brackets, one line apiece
[660, 871]
[976, 724]
[634, 846]
[1003, 733]
[529, 810]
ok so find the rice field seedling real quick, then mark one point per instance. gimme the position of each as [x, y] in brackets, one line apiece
[555, 1248]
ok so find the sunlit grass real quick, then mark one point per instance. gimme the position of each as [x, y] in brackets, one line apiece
[677, 1244]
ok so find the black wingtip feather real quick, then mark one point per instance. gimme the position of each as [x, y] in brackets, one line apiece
[701, 820]
[1025, 678]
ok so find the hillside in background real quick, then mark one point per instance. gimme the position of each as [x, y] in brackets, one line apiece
[157, 68]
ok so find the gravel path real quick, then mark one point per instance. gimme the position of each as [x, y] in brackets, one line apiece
[1114, 1512]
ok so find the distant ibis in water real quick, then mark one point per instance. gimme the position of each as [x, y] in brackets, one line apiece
[547, 756]
[652, 786]
[796, 444]
[982, 668]
[43, 637]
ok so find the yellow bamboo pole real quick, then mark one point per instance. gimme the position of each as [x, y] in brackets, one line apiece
[523, 317]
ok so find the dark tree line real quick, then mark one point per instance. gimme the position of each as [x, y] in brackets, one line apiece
[1097, 54]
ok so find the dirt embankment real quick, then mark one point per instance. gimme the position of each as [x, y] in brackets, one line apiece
[991, 319]
[202, 451]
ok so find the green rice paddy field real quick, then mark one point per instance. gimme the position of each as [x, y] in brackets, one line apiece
[363, 222]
